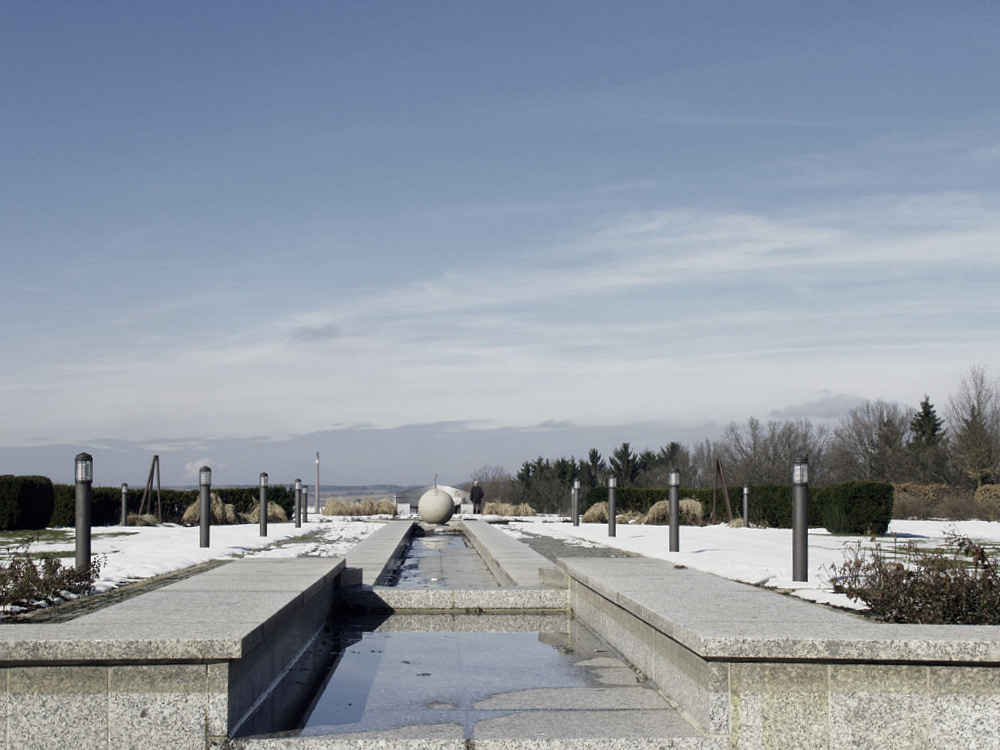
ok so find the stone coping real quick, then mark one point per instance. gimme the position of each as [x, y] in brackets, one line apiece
[221, 614]
[723, 620]
[510, 561]
[379, 552]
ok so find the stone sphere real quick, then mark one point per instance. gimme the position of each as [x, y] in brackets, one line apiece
[436, 506]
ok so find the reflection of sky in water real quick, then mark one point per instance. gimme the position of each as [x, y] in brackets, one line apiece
[393, 679]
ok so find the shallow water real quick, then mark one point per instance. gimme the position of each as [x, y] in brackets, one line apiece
[465, 670]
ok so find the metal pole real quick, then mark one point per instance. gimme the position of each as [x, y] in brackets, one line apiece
[297, 510]
[575, 500]
[124, 504]
[800, 520]
[318, 509]
[305, 503]
[612, 505]
[746, 506]
[205, 508]
[674, 481]
[84, 480]
[263, 503]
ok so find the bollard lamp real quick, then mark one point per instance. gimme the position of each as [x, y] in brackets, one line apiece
[84, 468]
[205, 477]
[800, 471]
[674, 478]
[263, 479]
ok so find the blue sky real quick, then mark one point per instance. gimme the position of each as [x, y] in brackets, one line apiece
[424, 237]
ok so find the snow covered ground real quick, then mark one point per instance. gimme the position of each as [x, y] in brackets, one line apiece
[131, 553]
[758, 556]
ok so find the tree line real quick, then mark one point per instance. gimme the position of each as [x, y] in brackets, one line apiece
[876, 441]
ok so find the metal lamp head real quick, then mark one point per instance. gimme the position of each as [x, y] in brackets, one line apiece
[612, 481]
[298, 485]
[124, 487]
[263, 479]
[674, 478]
[205, 476]
[576, 484]
[84, 468]
[800, 472]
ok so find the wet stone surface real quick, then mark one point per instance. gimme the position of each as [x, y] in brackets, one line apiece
[554, 548]
[557, 678]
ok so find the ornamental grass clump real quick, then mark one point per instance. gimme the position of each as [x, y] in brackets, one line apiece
[366, 507]
[508, 509]
[959, 585]
[689, 513]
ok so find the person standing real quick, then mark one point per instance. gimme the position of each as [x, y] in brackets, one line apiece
[476, 496]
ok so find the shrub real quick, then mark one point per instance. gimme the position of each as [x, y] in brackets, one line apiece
[925, 587]
[857, 508]
[25, 502]
[987, 502]
[25, 583]
[922, 501]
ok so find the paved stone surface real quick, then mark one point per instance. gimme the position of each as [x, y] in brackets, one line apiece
[553, 548]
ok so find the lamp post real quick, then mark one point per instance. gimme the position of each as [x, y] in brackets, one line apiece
[575, 502]
[297, 510]
[305, 503]
[318, 509]
[612, 505]
[263, 503]
[673, 494]
[84, 481]
[124, 504]
[800, 519]
[205, 507]
[746, 506]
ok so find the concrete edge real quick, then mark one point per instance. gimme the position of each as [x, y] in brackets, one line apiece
[511, 562]
[380, 551]
[755, 624]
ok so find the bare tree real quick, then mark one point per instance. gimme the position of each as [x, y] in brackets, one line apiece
[871, 443]
[974, 422]
[764, 454]
[497, 483]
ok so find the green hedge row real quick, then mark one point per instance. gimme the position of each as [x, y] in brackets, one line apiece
[849, 508]
[25, 502]
[107, 503]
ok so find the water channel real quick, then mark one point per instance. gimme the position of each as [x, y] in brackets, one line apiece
[454, 675]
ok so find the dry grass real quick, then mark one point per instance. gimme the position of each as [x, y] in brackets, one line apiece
[222, 514]
[508, 509]
[146, 519]
[365, 507]
[275, 514]
[691, 513]
[596, 513]
[987, 502]
[924, 501]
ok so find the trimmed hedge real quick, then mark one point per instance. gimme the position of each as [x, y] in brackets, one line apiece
[107, 502]
[857, 507]
[850, 508]
[25, 502]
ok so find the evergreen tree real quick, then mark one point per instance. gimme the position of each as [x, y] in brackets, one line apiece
[928, 445]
